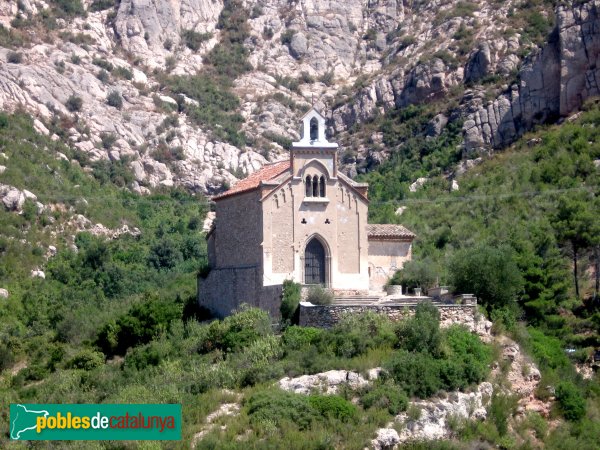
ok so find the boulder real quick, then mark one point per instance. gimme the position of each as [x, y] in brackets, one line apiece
[386, 439]
[3, 293]
[298, 45]
[38, 274]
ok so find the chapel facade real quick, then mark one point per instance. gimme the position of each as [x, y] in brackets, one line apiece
[301, 220]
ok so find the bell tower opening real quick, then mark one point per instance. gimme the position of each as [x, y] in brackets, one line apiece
[314, 129]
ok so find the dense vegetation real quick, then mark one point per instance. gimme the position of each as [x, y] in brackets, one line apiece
[522, 234]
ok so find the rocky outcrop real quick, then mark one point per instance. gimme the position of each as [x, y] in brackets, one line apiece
[327, 382]
[553, 82]
[435, 414]
[153, 28]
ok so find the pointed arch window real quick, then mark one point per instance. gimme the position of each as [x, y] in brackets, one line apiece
[315, 186]
[322, 186]
[309, 187]
[314, 129]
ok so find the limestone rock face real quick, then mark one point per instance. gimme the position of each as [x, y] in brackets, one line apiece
[143, 26]
[353, 59]
[553, 82]
[433, 422]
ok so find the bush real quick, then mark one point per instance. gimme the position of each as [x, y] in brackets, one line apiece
[277, 407]
[422, 331]
[333, 406]
[417, 373]
[14, 57]
[123, 72]
[165, 254]
[290, 301]
[570, 401]
[193, 39]
[238, 330]
[299, 338]
[501, 409]
[107, 140]
[318, 295]
[74, 103]
[354, 334]
[386, 396]
[114, 99]
[255, 363]
[86, 360]
[6, 357]
[142, 322]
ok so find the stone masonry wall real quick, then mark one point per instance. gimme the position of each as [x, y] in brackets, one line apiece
[327, 316]
[225, 290]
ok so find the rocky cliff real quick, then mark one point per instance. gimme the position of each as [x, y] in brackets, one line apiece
[488, 64]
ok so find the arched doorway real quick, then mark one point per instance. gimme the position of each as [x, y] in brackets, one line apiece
[314, 262]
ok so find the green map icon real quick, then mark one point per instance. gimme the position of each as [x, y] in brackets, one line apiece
[23, 421]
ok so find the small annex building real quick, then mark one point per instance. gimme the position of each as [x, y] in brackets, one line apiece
[302, 220]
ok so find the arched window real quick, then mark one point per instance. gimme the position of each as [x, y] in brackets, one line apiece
[314, 129]
[322, 186]
[315, 186]
[309, 189]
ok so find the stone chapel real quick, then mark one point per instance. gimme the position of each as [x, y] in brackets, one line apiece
[302, 220]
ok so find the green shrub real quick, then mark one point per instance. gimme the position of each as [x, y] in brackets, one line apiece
[74, 103]
[114, 99]
[123, 72]
[103, 64]
[501, 409]
[6, 357]
[238, 330]
[318, 295]
[165, 254]
[276, 406]
[299, 338]
[570, 401]
[290, 300]
[333, 406]
[547, 350]
[86, 360]
[354, 334]
[417, 373]
[422, 331]
[286, 36]
[255, 363]
[193, 39]
[140, 325]
[386, 396]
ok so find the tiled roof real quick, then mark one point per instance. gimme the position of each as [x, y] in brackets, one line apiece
[388, 231]
[268, 172]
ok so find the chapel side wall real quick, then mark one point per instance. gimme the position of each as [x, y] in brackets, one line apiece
[278, 234]
[348, 231]
[385, 258]
[238, 233]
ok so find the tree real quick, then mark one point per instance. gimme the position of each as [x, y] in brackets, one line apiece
[489, 273]
[576, 225]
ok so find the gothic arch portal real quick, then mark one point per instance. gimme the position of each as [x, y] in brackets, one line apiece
[316, 261]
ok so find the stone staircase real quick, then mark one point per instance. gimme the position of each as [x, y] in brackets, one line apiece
[355, 300]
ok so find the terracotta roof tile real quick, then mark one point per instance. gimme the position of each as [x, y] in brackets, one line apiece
[383, 231]
[268, 172]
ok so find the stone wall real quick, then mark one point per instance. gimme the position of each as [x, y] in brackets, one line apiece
[327, 316]
[225, 290]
